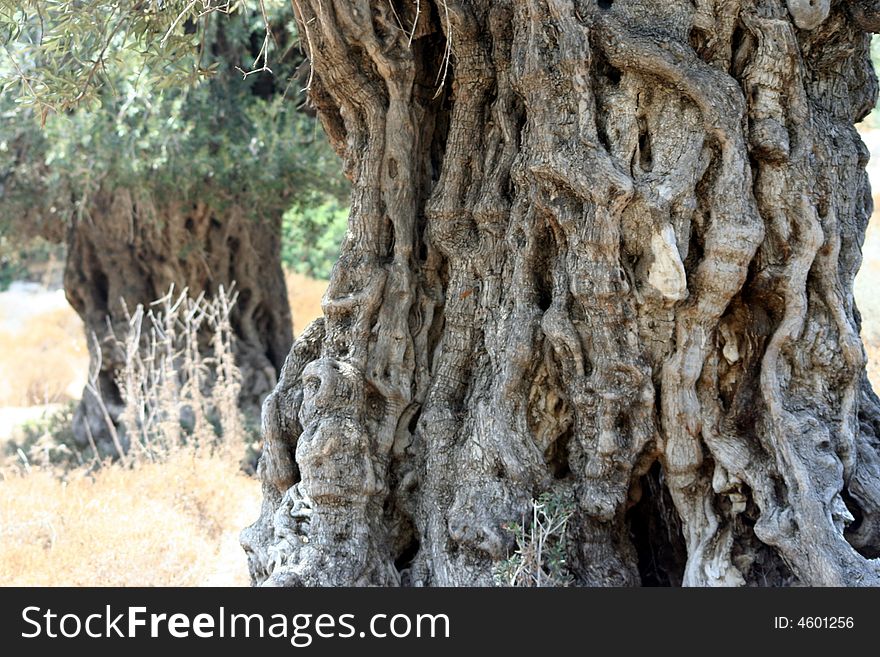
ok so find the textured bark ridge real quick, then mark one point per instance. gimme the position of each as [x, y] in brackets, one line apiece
[131, 250]
[603, 250]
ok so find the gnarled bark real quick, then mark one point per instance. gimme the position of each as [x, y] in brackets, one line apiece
[611, 259]
[130, 250]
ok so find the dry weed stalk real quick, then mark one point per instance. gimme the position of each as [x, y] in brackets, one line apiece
[178, 384]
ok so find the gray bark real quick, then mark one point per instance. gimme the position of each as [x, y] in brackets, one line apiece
[611, 260]
[130, 250]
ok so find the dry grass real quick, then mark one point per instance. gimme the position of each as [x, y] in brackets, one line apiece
[43, 359]
[304, 295]
[153, 524]
[174, 389]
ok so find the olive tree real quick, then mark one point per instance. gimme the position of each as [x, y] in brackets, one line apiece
[601, 251]
[156, 143]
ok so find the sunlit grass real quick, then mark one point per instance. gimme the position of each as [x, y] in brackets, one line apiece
[304, 295]
[154, 524]
[43, 360]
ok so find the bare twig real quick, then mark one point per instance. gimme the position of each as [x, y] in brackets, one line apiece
[94, 387]
[447, 53]
[311, 52]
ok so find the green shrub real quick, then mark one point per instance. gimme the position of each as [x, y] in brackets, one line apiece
[540, 557]
[26, 259]
[312, 233]
[47, 441]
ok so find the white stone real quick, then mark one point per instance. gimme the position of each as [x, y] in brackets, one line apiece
[667, 274]
[730, 350]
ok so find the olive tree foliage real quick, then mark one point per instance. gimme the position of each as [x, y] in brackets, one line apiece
[599, 251]
[158, 142]
[99, 94]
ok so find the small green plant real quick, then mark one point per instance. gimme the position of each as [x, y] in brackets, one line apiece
[28, 259]
[252, 440]
[47, 441]
[540, 554]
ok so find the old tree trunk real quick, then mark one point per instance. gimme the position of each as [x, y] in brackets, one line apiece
[129, 250]
[612, 259]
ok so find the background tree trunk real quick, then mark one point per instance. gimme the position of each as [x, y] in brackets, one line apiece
[129, 251]
[611, 259]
